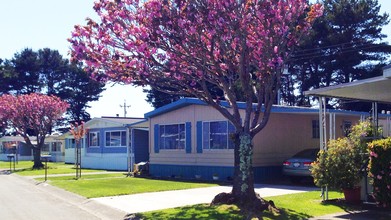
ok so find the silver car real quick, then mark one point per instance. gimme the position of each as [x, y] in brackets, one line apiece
[298, 166]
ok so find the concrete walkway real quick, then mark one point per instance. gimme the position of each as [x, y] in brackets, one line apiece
[170, 199]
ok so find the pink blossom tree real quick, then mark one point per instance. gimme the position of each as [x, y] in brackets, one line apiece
[194, 46]
[78, 132]
[33, 113]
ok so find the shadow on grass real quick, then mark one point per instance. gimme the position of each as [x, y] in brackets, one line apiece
[204, 211]
[201, 211]
[360, 211]
[285, 214]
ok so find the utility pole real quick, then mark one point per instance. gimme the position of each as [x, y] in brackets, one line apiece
[125, 106]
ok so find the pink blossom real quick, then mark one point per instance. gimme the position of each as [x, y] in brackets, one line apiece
[379, 177]
[373, 154]
[183, 34]
[36, 112]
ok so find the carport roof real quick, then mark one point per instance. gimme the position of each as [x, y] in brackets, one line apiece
[376, 89]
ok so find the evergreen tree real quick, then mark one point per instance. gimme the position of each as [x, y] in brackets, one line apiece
[158, 99]
[345, 45]
[47, 72]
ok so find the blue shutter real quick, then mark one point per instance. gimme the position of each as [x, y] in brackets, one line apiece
[188, 137]
[156, 138]
[199, 137]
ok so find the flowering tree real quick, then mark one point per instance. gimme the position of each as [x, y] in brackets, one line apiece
[78, 132]
[35, 113]
[194, 46]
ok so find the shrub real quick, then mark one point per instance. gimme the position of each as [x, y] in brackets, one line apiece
[339, 167]
[380, 170]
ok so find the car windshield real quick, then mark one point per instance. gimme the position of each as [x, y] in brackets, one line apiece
[309, 153]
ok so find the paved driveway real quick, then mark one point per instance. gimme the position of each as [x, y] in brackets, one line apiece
[22, 198]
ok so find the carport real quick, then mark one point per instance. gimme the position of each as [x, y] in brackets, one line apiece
[375, 90]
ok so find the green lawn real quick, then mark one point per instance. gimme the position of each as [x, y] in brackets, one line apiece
[24, 168]
[20, 164]
[292, 206]
[100, 185]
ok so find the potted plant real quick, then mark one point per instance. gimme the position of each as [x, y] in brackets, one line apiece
[339, 167]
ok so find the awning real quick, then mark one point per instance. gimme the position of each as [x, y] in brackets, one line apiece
[376, 89]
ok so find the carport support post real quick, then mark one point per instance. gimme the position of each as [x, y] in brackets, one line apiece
[322, 137]
[375, 121]
[128, 137]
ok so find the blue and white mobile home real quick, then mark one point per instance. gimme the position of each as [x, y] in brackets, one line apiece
[189, 138]
[111, 143]
[53, 146]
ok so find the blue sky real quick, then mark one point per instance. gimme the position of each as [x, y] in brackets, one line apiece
[38, 24]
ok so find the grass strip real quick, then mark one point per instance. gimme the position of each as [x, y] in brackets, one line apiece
[292, 206]
[101, 185]
[24, 168]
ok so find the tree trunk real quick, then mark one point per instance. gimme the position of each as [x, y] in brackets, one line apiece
[243, 194]
[243, 185]
[37, 158]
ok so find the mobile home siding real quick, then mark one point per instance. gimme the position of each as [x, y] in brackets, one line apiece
[288, 131]
[286, 134]
[104, 156]
[192, 114]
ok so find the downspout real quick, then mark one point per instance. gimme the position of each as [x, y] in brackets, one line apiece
[375, 121]
[132, 144]
[128, 162]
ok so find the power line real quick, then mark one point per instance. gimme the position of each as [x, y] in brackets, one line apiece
[319, 53]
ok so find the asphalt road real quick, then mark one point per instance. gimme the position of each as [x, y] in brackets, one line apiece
[21, 198]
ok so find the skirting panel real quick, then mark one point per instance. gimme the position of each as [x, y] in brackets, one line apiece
[261, 174]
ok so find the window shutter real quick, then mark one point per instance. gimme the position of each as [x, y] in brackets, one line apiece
[199, 137]
[188, 137]
[156, 138]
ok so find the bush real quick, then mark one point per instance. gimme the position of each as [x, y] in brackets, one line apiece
[339, 167]
[380, 170]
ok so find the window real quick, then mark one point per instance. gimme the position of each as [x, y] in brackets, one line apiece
[115, 138]
[216, 135]
[172, 136]
[45, 147]
[71, 143]
[93, 139]
[315, 129]
[56, 146]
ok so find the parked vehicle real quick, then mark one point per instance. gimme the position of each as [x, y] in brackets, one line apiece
[298, 166]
